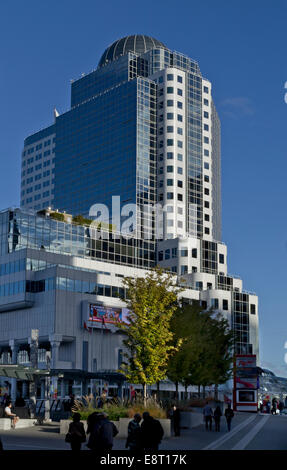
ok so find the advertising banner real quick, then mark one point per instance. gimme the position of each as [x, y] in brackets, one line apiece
[100, 313]
[97, 315]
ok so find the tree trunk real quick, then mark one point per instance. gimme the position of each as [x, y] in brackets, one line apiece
[216, 392]
[157, 391]
[144, 394]
[198, 391]
[185, 392]
[203, 391]
[176, 391]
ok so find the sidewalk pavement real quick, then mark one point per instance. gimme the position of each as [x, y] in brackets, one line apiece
[47, 437]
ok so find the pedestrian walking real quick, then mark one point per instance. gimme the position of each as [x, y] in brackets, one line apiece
[207, 415]
[134, 434]
[268, 406]
[281, 407]
[175, 418]
[229, 415]
[92, 420]
[102, 435]
[71, 402]
[274, 406]
[217, 416]
[152, 433]
[8, 412]
[100, 403]
[76, 434]
[1, 446]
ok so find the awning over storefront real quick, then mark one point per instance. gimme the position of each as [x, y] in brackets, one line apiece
[19, 372]
[14, 371]
[77, 374]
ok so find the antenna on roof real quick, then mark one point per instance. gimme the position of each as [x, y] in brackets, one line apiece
[56, 114]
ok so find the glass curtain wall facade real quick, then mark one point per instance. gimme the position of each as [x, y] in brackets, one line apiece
[216, 174]
[142, 126]
[19, 230]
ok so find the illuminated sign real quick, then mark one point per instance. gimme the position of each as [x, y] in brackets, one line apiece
[100, 313]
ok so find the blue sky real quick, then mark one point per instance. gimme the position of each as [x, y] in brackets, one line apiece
[241, 48]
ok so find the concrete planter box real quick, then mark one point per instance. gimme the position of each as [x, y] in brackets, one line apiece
[191, 419]
[5, 424]
[122, 426]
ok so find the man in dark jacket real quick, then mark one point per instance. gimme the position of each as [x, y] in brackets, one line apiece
[152, 433]
[134, 434]
[102, 435]
[229, 415]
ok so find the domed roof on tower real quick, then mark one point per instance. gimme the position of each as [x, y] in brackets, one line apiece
[138, 44]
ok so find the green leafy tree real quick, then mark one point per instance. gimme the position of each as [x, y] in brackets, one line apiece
[206, 354]
[152, 301]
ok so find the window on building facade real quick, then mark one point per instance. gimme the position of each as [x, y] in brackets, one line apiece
[183, 269]
[253, 309]
[167, 254]
[214, 303]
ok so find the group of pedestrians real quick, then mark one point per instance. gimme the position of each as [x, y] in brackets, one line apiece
[144, 437]
[100, 430]
[265, 406]
[209, 415]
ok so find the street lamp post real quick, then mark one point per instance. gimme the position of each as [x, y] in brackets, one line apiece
[47, 387]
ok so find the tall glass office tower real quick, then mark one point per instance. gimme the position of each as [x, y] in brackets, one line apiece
[142, 126]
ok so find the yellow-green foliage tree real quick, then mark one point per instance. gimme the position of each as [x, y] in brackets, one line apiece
[152, 301]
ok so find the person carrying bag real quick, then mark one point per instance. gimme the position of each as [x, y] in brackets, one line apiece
[76, 434]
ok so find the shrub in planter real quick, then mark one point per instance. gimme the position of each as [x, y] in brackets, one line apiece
[117, 408]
